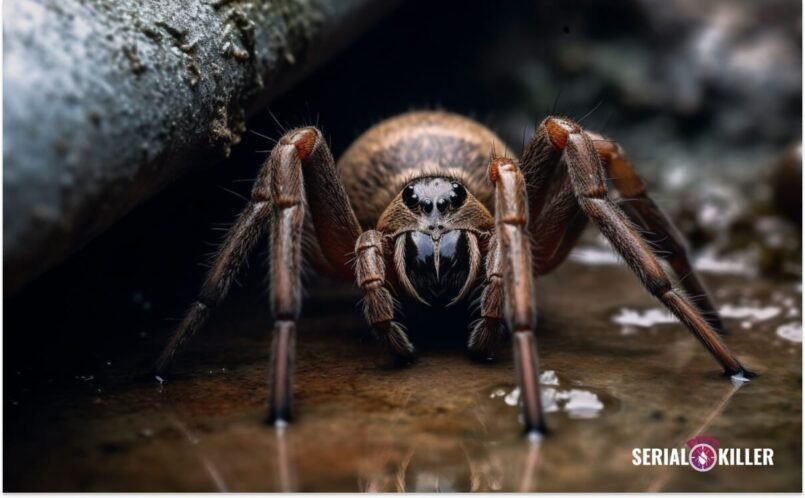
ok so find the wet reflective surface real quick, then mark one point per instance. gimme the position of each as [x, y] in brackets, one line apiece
[618, 374]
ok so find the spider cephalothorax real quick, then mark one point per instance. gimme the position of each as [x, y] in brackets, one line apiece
[416, 205]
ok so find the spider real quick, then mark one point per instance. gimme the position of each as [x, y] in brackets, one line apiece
[417, 206]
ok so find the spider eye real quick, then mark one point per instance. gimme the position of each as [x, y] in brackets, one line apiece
[427, 206]
[441, 204]
[458, 195]
[409, 197]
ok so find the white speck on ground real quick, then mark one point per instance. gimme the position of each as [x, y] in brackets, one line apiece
[738, 264]
[548, 378]
[583, 404]
[758, 314]
[648, 318]
[577, 403]
[595, 256]
[791, 332]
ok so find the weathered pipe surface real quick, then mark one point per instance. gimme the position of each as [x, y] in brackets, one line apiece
[107, 102]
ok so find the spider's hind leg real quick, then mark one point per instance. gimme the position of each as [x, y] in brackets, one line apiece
[646, 214]
[589, 182]
[239, 242]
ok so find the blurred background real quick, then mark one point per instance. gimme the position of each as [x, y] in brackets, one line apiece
[706, 97]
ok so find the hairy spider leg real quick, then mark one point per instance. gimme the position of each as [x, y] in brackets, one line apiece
[519, 306]
[665, 238]
[298, 175]
[587, 176]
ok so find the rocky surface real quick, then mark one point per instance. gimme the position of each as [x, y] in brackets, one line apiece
[105, 103]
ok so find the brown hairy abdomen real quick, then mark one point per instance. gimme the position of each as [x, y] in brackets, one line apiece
[412, 145]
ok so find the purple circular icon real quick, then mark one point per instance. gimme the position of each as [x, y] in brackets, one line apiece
[702, 457]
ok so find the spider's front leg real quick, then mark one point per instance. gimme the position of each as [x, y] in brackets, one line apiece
[587, 177]
[487, 330]
[519, 308]
[303, 175]
[378, 303]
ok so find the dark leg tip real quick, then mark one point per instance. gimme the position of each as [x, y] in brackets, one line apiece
[535, 434]
[398, 362]
[395, 341]
[279, 417]
[484, 340]
[740, 374]
[162, 366]
[481, 355]
[278, 423]
[398, 359]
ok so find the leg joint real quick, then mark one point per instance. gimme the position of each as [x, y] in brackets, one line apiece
[370, 282]
[281, 316]
[514, 220]
[559, 131]
[362, 246]
[593, 191]
[303, 139]
[284, 202]
[658, 285]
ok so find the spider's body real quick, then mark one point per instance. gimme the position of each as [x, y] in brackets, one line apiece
[432, 205]
[421, 180]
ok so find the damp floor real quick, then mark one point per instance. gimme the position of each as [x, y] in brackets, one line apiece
[618, 374]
